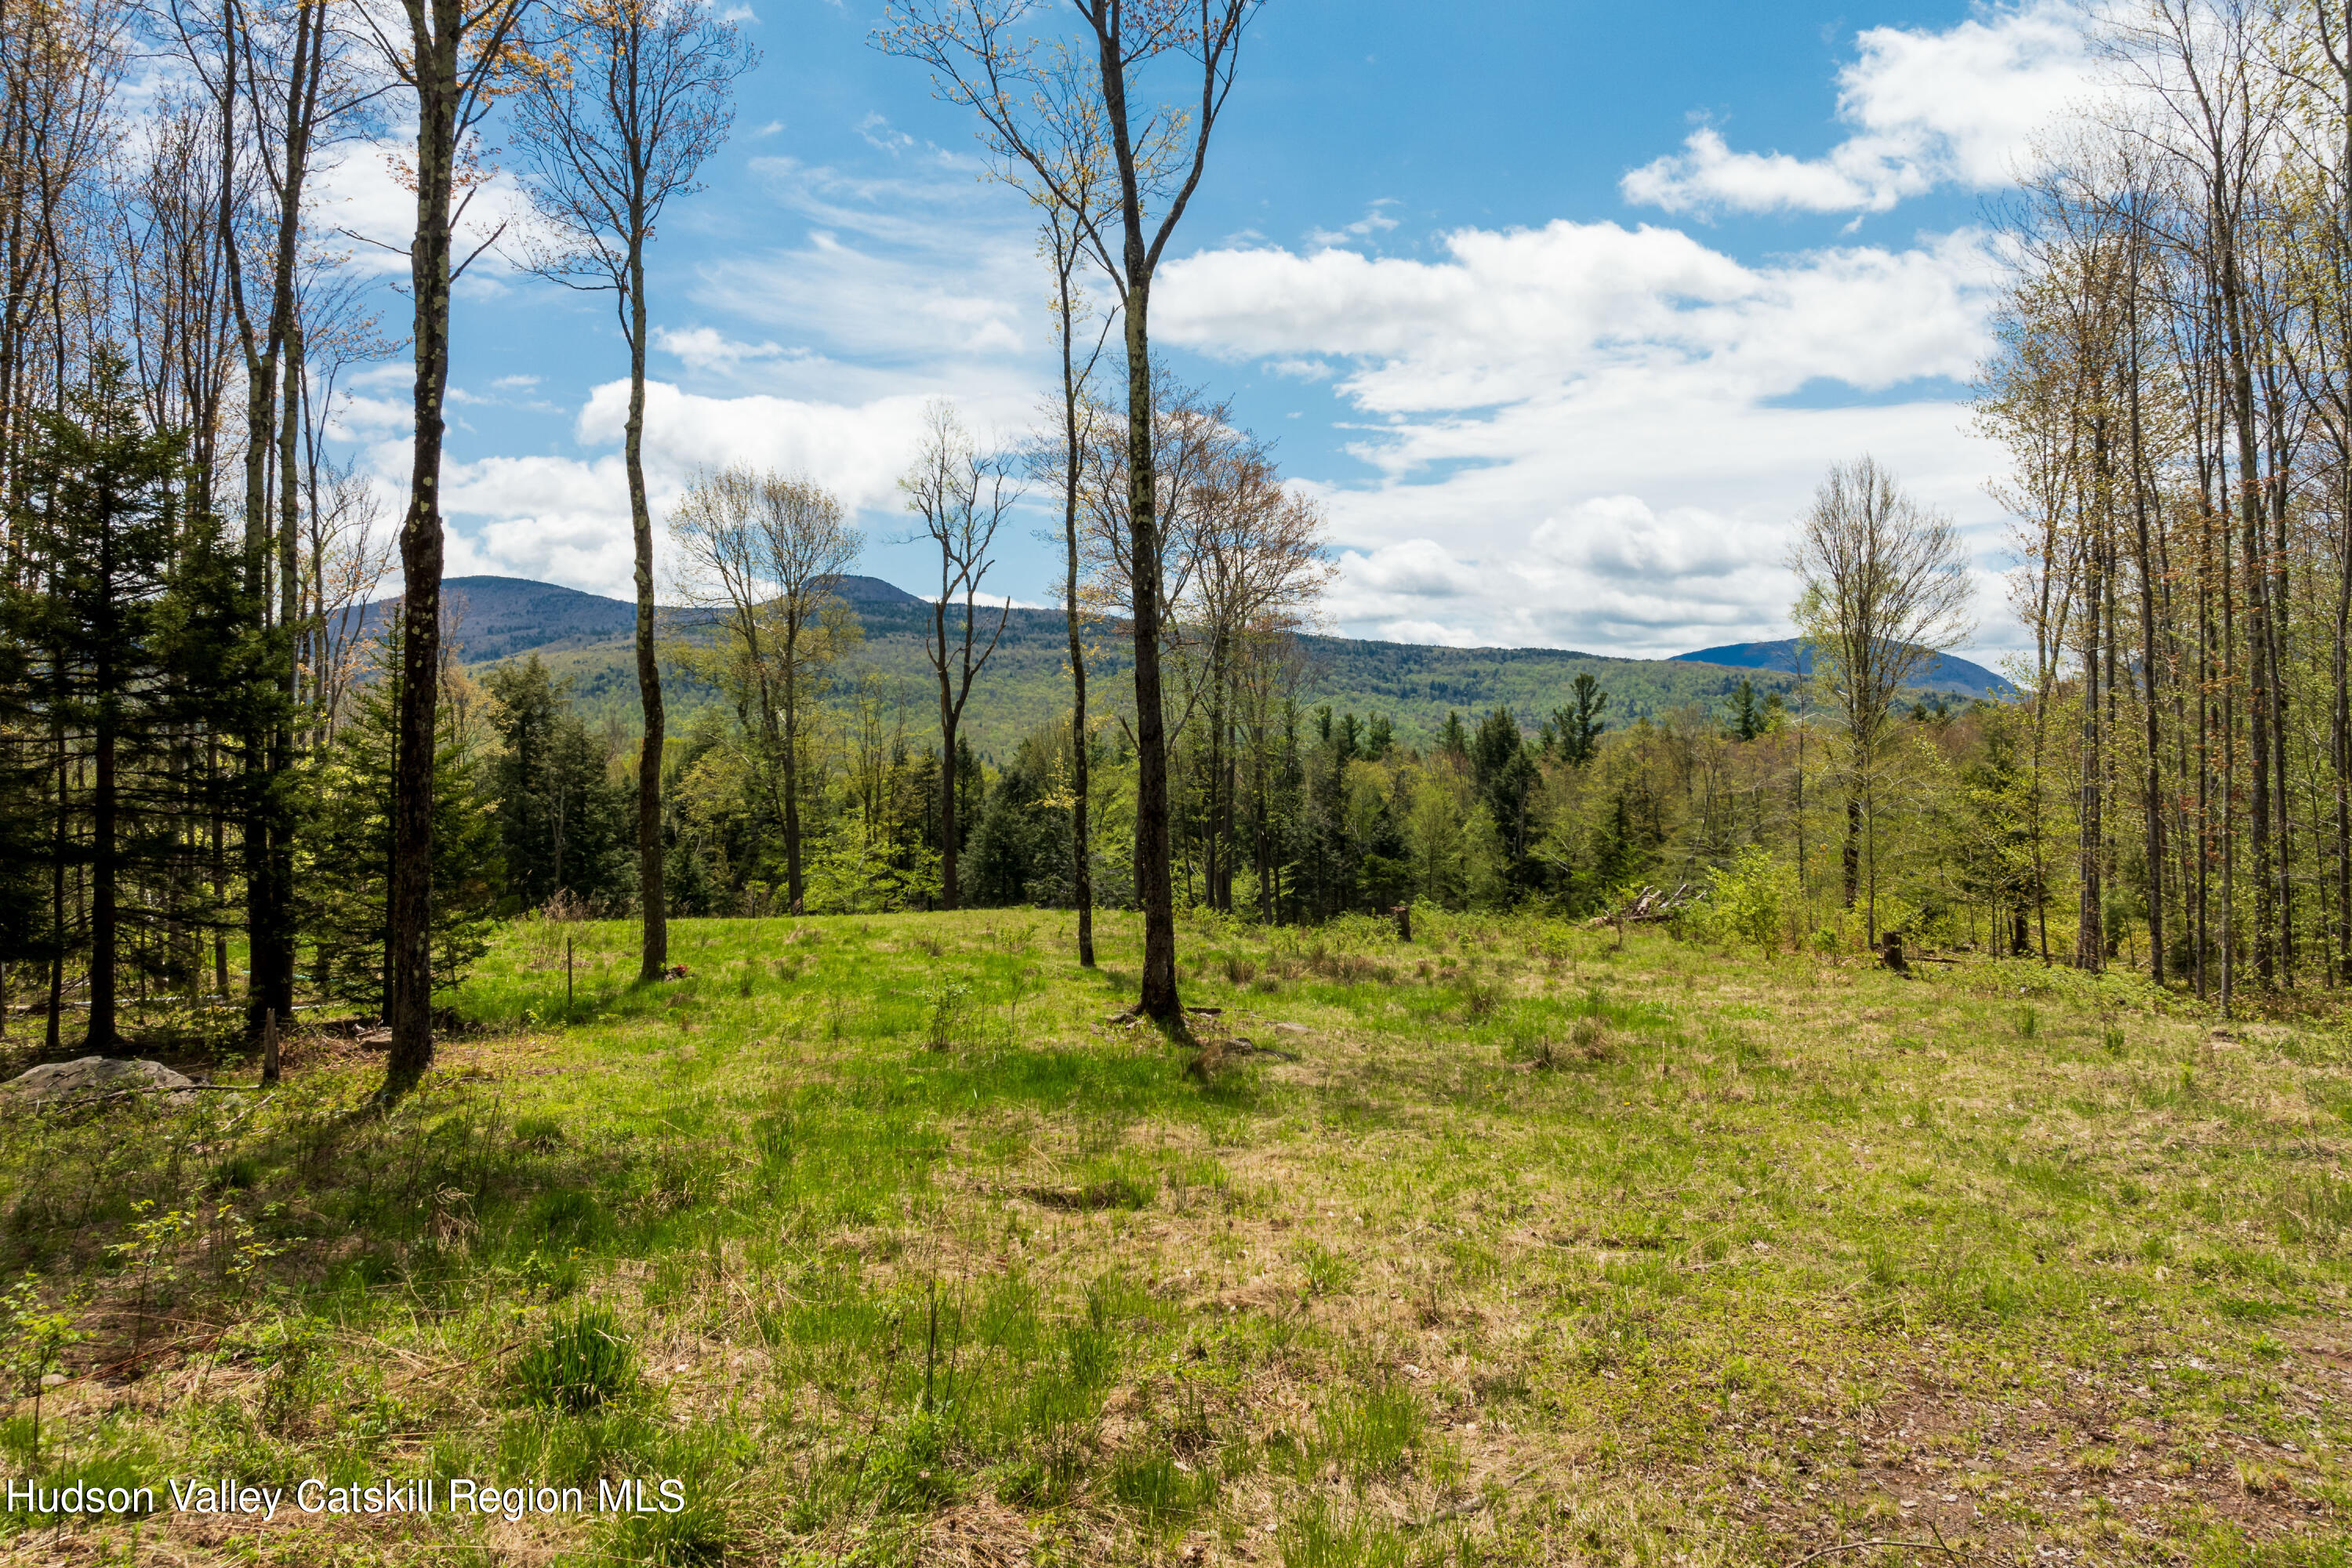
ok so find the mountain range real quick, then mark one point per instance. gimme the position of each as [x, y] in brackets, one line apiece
[586, 639]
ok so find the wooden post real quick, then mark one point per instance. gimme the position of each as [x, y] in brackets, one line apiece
[269, 1046]
[567, 974]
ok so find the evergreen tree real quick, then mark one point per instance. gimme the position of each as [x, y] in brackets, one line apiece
[97, 519]
[1504, 774]
[565, 825]
[343, 873]
[1455, 742]
[1746, 713]
[1575, 731]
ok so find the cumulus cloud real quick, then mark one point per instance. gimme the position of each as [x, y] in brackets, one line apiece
[1592, 436]
[565, 518]
[1925, 108]
[708, 348]
[816, 357]
[360, 195]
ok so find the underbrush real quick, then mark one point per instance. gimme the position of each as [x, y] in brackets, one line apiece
[892, 1238]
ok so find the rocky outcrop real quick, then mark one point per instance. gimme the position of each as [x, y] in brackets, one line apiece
[93, 1075]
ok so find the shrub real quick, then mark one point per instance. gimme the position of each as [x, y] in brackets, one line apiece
[1749, 900]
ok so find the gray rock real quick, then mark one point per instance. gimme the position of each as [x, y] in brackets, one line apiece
[92, 1075]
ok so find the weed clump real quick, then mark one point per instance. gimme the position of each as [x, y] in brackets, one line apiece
[581, 1362]
[1369, 1436]
[949, 1004]
[542, 1133]
[1328, 1272]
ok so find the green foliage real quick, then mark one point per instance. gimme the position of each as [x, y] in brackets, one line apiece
[580, 1361]
[343, 864]
[1749, 900]
[124, 633]
[34, 1337]
[566, 826]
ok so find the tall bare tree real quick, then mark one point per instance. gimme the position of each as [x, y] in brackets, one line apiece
[804, 549]
[1883, 588]
[634, 98]
[1061, 458]
[1258, 566]
[454, 55]
[960, 496]
[279, 82]
[980, 58]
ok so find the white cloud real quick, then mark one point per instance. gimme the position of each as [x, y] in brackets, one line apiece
[566, 520]
[816, 358]
[1926, 108]
[360, 199]
[1377, 219]
[708, 348]
[1595, 436]
[924, 273]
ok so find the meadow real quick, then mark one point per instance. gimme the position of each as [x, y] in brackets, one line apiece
[895, 1241]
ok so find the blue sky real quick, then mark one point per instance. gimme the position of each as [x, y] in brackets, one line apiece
[1559, 308]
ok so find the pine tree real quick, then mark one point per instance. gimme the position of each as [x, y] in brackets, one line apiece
[344, 875]
[564, 825]
[1747, 713]
[97, 519]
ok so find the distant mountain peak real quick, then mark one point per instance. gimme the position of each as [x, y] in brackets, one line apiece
[860, 590]
[1791, 656]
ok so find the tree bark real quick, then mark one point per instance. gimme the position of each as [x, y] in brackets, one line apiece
[2258, 611]
[793, 888]
[652, 896]
[104, 811]
[411, 937]
[949, 715]
[1155, 889]
[1082, 888]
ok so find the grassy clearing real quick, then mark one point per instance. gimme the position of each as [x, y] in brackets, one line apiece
[1500, 1247]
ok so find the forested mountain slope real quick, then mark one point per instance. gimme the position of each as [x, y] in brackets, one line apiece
[585, 638]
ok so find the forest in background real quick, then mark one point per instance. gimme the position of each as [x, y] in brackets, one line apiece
[222, 788]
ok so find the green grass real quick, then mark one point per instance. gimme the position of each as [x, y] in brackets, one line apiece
[891, 1244]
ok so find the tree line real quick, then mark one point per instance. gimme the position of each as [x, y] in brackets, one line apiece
[212, 763]
[2173, 387]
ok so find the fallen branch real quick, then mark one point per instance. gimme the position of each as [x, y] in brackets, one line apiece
[248, 1110]
[1937, 1544]
[1650, 904]
[1476, 1505]
[460, 1366]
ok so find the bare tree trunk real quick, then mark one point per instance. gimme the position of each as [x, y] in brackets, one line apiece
[2152, 783]
[792, 892]
[2089, 948]
[653, 899]
[2258, 612]
[104, 833]
[947, 749]
[1154, 887]
[411, 937]
[1082, 886]
[2340, 745]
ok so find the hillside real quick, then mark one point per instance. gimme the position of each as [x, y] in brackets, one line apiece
[585, 639]
[1945, 674]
